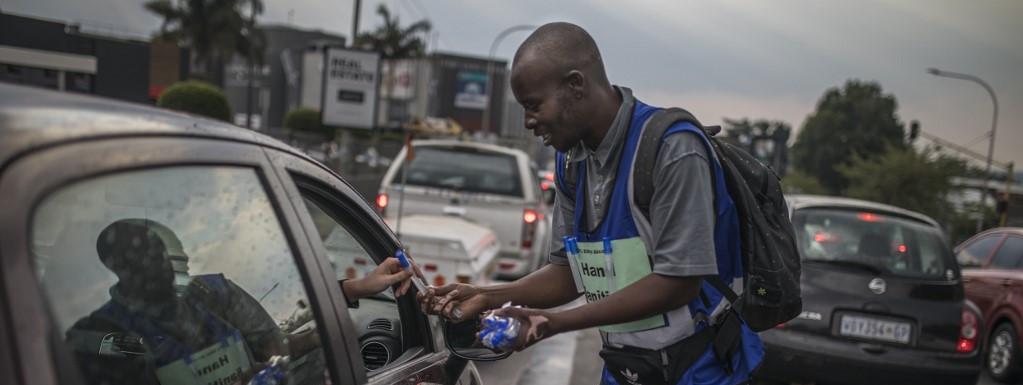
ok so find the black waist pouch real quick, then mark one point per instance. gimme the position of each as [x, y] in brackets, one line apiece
[631, 365]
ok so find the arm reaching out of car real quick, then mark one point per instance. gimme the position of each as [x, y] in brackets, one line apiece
[384, 276]
[548, 287]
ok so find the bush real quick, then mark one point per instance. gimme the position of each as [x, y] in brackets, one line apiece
[307, 120]
[198, 98]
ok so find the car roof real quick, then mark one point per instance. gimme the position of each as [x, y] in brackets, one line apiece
[799, 201]
[474, 145]
[1001, 230]
[33, 118]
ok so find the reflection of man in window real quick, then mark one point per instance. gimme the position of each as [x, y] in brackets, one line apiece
[148, 333]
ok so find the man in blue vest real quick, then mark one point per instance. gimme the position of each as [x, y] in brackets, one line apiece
[641, 272]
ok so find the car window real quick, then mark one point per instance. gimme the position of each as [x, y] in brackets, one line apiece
[887, 243]
[178, 275]
[976, 253]
[377, 319]
[463, 169]
[1009, 255]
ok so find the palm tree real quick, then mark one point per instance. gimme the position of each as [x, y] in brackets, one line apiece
[214, 29]
[394, 43]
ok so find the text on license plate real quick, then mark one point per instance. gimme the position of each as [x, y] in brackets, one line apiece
[875, 329]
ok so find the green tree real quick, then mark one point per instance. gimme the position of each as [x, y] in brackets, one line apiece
[767, 140]
[307, 120]
[904, 177]
[797, 182]
[392, 40]
[214, 30]
[196, 97]
[858, 120]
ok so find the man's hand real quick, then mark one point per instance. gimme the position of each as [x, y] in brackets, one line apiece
[456, 302]
[536, 325]
[387, 274]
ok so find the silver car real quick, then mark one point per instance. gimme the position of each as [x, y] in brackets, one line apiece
[490, 185]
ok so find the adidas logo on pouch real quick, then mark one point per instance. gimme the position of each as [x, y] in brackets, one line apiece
[632, 378]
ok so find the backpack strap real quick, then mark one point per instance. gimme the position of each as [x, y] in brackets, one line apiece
[643, 170]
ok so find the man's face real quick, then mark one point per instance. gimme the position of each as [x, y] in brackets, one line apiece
[550, 110]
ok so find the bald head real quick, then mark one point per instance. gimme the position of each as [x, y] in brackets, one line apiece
[562, 47]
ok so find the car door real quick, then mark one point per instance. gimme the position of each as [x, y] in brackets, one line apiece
[349, 236]
[1004, 275]
[977, 281]
[177, 260]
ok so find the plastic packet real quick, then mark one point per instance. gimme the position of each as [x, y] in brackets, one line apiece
[499, 332]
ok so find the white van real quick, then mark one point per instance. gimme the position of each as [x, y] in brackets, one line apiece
[486, 184]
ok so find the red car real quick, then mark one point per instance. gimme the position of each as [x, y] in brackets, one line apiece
[992, 265]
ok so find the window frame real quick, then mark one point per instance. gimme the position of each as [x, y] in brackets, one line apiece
[994, 253]
[305, 175]
[34, 176]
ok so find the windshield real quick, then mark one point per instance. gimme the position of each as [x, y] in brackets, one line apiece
[463, 169]
[877, 242]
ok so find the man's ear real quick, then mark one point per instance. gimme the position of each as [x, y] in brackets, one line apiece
[576, 82]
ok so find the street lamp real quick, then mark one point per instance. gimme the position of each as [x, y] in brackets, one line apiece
[991, 143]
[490, 68]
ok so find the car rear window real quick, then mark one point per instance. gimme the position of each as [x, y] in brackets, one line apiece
[885, 243]
[464, 169]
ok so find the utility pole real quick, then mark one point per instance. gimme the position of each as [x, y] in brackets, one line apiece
[991, 134]
[355, 22]
[251, 74]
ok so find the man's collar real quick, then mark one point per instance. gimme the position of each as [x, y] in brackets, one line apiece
[612, 139]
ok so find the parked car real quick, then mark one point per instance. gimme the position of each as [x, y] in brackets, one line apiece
[883, 301]
[992, 264]
[449, 249]
[489, 185]
[117, 216]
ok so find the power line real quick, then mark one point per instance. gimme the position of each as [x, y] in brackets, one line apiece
[421, 8]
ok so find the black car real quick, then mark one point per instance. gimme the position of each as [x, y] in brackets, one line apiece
[883, 301]
[241, 232]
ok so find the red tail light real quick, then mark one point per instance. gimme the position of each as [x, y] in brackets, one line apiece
[439, 280]
[869, 217]
[529, 219]
[381, 202]
[360, 261]
[350, 273]
[506, 265]
[462, 278]
[529, 216]
[429, 267]
[968, 332]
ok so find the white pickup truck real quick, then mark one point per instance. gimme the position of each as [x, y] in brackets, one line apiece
[449, 249]
[488, 185]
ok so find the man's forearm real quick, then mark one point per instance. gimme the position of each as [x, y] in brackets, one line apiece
[651, 295]
[548, 287]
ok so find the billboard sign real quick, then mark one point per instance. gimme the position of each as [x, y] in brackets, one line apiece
[350, 80]
[471, 90]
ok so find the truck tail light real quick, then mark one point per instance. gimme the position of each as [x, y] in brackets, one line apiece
[429, 267]
[529, 219]
[968, 332]
[381, 203]
[439, 280]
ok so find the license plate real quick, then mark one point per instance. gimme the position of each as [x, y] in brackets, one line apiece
[875, 329]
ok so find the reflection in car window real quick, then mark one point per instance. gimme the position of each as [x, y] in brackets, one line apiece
[376, 319]
[174, 276]
[464, 170]
[1009, 254]
[976, 253]
[886, 243]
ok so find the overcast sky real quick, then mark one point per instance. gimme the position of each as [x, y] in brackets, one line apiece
[726, 58]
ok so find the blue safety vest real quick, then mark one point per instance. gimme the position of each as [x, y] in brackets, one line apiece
[619, 223]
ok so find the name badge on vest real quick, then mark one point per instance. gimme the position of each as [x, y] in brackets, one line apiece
[219, 364]
[628, 264]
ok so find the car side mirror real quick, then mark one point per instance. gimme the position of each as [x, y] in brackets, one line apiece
[461, 341]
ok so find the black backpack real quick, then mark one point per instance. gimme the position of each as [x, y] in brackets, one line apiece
[768, 243]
